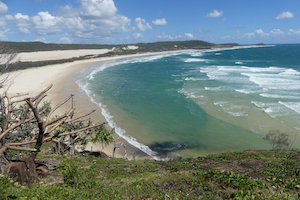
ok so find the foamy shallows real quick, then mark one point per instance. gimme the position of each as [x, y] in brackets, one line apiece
[199, 102]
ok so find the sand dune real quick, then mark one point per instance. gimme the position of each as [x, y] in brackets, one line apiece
[57, 55]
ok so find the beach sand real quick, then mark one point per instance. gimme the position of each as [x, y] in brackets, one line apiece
[34, 80]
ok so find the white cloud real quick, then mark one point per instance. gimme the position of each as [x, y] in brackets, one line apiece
[142, 25]
[138, 35]
[249, 35]
[165, 36]
[104, 9]
[226, 37]
[3, 8]
[93, 21]
[285, 15]
[215, 13]
[9, 17]
[261, 33]
[24, 30]
[189, 35]
[65, 40]
[45, 23]
[160, 22]
[41, 40]
[293, 32]
[20, 16]
[2, 34]
[276, 32]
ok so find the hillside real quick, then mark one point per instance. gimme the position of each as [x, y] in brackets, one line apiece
[143, 47]
[232, 175]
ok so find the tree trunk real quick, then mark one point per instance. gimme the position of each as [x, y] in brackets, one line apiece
[72, 146]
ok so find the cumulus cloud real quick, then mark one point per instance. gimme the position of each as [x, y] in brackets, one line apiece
[137, 35]
[2, 34]
[165, 36]
[161, 22]
[41, 40]
[261, 32]
[293, 32]
[65, 40]
[104, 9]
[142, 25]
[249, 35]
[20, 16]
[93, 20]
[3, 8]
[189, 35]
[285, 15]
[24, 30]
[276, 32]
[272, 34]
[215, 13]
[226, 37]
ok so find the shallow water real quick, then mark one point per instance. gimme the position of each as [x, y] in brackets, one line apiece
[200, 102]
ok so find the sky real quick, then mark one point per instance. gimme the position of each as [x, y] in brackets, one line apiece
[135, 21]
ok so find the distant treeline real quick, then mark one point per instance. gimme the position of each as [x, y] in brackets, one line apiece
[40, 46]
[118, 50]
[156, 46]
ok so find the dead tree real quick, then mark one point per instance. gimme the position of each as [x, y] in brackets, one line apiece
[7, 57]
[44, 122]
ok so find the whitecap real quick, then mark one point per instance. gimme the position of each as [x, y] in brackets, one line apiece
[295, 106]
[194, 79]
[276, 96]
[238, 63]
[290, 72]
[195, 60]
[219, 88]
[245, 91]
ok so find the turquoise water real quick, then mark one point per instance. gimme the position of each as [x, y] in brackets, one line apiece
[200, 102]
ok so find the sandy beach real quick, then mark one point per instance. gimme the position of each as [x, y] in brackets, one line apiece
[34, 80]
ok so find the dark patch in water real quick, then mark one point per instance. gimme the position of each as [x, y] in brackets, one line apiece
[166, 148]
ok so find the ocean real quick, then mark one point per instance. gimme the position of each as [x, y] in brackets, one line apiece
[195, 103]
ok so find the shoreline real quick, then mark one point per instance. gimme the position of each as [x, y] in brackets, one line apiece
[84, 104]
[34, 80]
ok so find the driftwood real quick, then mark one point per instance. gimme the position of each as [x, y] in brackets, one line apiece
[14, 118]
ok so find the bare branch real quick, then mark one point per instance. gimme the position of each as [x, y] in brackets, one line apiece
[4, 148]
[14, 126]
[57, 106]
[56, 119]
[81, 116]
[21, 148]
[72, 132]
[41, 93]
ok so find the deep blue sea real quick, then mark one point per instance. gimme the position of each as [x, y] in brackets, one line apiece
[196, 103]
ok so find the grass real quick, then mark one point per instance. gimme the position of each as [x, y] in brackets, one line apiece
[231, 175]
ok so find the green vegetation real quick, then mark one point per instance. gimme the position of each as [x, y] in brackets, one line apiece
[232, 175]
[157, 46]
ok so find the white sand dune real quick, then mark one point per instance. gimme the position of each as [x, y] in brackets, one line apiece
[57, 55]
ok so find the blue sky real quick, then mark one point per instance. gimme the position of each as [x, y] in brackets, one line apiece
[133, 21]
